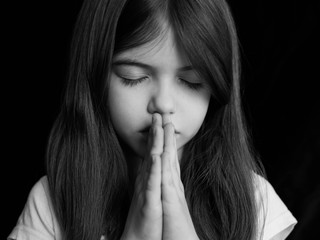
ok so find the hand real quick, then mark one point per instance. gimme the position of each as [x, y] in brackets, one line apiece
[144, 220]
[177, 222]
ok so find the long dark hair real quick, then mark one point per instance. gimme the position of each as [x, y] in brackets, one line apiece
[86, 166]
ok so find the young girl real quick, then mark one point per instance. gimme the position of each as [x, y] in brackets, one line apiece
[150, 142]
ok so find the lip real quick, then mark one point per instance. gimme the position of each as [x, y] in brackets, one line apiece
[146, 131]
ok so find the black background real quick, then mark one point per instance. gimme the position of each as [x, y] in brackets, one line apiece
[280, 50]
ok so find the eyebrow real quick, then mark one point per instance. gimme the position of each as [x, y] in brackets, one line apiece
[135, 63]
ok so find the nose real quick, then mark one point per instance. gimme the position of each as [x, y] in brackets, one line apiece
[162, 99]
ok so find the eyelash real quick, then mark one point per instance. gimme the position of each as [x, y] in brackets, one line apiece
[134, 82]
[193, 86]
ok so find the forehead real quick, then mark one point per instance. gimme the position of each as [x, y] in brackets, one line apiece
[161, 52]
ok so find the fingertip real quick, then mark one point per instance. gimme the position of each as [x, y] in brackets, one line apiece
[166, 118]
[156, 119]
[156, 142]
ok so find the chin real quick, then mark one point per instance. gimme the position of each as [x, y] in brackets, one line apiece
[139, 148]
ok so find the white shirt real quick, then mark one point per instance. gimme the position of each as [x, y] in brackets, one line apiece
[275, 221]
[38, 222]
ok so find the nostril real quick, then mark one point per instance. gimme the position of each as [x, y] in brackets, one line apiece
[162, 102]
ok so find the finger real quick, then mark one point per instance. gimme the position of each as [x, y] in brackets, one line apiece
[176, 162]
[178, 169]
[166, 118]
[170, 148]
[170, 142]
[155, 143]
[175, 166]
[168, 185]
[156, 135]
[166, 173]
[153, 186]
[168, 129]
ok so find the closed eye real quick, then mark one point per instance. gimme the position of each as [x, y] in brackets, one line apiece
[191, 85]
[132, 81]
[135, 81]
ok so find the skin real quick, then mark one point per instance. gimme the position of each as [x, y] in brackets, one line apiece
[159, 209]
[164, 90]
[155, 117]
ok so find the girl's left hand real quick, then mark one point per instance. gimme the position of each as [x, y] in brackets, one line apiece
[177, 222]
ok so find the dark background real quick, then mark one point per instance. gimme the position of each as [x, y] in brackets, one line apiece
[280, 47]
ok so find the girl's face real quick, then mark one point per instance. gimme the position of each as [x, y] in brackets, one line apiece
[156, 77]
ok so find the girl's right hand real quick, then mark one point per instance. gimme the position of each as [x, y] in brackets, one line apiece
[144, 220]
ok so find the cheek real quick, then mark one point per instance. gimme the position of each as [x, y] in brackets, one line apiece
[125, 108]
[195, 112]
[119, 106]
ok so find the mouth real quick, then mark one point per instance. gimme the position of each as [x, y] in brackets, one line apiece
[147, 129]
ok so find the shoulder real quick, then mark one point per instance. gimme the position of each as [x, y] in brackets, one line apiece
[275, 221]
[39, 197]
[37, 220]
